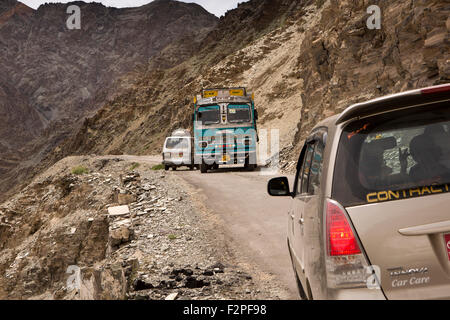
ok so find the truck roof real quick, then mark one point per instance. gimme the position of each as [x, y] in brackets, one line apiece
[221, 95]
[404, 100]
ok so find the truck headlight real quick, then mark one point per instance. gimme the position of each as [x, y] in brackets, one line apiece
[203, 144]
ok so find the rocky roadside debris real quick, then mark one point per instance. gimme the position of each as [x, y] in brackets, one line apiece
[114, 233]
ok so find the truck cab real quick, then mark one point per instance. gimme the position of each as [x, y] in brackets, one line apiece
[225, 130]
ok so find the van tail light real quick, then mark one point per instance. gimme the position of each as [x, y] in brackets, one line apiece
[181, 154]
[341, 239]
[347, 266]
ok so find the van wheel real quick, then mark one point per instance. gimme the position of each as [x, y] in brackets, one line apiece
[203, 168]
[174, 168]
[166, 167]
[192, 167]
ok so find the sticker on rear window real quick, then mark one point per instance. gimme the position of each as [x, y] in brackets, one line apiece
[389, 195]
[354, 133]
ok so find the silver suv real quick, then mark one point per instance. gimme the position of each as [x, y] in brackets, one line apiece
[370, 215]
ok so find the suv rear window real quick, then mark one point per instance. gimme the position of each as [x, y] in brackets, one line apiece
[394, 156]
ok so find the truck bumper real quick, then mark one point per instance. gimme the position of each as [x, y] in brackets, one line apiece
[230, 158]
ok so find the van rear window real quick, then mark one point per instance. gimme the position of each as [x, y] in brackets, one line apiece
[394, 156]
[177, 143]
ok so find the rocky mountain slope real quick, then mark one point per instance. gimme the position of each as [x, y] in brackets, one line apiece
[161, 99]
[161, 246]
[343, 62]
[51, 77]
[305, 60]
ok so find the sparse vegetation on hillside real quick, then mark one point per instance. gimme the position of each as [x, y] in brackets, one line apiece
[134, 166]
[158, 167]
[79, 170]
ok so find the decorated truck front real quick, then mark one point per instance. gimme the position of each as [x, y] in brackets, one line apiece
[225, 131]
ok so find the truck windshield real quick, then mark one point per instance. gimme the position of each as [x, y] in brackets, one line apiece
[177, 143]
[238, 113]
[394, 156]
[209, 115]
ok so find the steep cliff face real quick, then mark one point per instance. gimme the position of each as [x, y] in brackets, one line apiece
[51, 77]
[9, 8]
[14, 107]
[343, 62]
[6, 5]
[63, 73]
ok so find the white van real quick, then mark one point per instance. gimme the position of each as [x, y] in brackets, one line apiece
[178, 150]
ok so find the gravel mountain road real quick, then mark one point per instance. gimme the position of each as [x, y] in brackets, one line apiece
[254, 222]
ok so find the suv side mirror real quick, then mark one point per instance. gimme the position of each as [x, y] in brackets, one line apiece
[256, 114]
[279, 187]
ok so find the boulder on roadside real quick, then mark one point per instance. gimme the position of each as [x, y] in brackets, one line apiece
[124, 199]
[119, 236]
[118, 211]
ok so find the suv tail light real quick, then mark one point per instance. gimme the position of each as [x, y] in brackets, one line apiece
[341, 239]
[347, 266]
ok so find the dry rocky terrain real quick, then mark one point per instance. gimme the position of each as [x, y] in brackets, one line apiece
[305, 60]
[161, 246]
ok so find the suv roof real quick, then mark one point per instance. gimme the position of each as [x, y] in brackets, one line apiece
[397, 101]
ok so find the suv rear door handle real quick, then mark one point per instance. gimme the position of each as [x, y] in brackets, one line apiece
[438, 227]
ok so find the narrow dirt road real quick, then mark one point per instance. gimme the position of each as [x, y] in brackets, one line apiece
[255, 222]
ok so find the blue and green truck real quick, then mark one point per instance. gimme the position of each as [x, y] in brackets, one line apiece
[225, 129]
